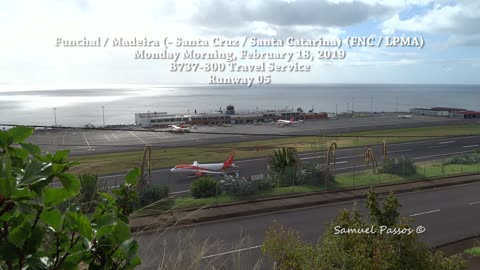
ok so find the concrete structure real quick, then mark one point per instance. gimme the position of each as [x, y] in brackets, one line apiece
[465, 114]
[229, 116]
[446, 112]
[429, 112]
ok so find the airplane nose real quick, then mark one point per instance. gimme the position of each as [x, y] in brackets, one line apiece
[172, 169]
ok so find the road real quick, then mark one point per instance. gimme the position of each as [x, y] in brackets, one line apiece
[348, 159]
[447, 214]
[90, 141]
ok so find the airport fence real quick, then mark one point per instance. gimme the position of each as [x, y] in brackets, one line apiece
[262, 183]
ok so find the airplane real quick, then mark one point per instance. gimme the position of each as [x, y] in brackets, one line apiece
[405, 116]
[282, 122]
[179, 129]
[198, 169]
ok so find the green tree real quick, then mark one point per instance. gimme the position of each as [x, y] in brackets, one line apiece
[204, 187]
[36, 233]
[357, 250]
[285, 165]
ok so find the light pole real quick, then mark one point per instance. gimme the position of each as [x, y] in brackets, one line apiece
[353, 103]
[371, 104]
[103, 115]
[55, 115]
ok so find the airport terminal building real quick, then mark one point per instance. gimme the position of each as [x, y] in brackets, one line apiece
[229, 116]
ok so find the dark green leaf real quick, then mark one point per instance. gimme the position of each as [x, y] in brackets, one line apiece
[54, 196]
[61, 155]
[129, 248]
[5, 166]
[20, 194]
[121, 232]
[5, 139]
[19, 234]
[7, 186]
[70, 182]
[106, 219]
[35, 240]
[33, 149]
[105, 230]
[20, 133]
[25, 208]
[7, 251]
[53, 218]
[132, 176]
[80, 223]
[34, 172]
[19, 153]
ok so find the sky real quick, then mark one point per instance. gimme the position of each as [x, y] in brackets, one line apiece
[30, 29]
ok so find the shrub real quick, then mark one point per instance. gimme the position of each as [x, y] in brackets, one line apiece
[239, 187]
[315, 175]
[465, 159]
[399, 166]
[266, 184]
[284, 165]
[204, 187]
[89, 188]
[152, 193]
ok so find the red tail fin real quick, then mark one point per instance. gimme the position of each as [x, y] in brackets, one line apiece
[292, 118]
[228, 162]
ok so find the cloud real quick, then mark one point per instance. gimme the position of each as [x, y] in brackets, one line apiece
[461, 21]
[301, 12]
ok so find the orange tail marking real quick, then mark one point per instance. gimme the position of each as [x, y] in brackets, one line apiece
[292, 118]
[228, 162]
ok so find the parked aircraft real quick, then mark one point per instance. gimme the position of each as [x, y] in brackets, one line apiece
[179, 129]
[198, 169]
[292, 121]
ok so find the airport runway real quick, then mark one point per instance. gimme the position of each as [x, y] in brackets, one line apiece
[88, 142]
[447, 214]
[348, 159]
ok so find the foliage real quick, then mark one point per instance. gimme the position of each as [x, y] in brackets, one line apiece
[373, 250]
[465, 159]
[266, 184]
[399, 166]
[370, 157]
[239, 187]
[152, 193]
[284, 165]
[35, 233]
[317, 175]
[89, 188]
[204, 187]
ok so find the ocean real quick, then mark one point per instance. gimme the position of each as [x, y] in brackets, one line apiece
[78, 107]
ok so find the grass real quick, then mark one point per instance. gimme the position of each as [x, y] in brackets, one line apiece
[343, 180]
[475, 251]
[120, 162]
[424, 170]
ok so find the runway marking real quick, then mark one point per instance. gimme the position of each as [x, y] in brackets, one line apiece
[232, 251]
[115, 137]
[107, 137]
[404, 150]
[424, 213]
[178, 192]
[89, 147]
[469, 146]
[439, 155]
[447, 142]
[472, 203]
[138, 137]
[436, 146]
